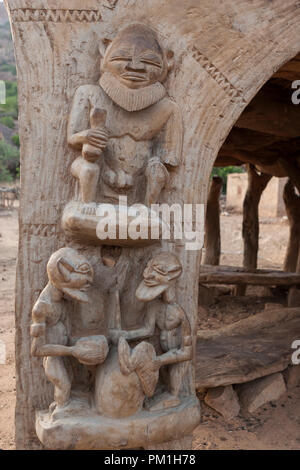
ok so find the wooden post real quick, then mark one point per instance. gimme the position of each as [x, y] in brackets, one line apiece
[256, 185]
[212, 223]
[292, 205]
[294, 294]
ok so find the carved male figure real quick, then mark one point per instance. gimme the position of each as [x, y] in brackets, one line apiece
[120, 118]
[175, 331]
[70, 274]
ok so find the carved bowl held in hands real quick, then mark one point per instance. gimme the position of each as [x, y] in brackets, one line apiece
[91, 350]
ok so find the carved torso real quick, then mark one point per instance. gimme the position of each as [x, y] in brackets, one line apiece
[131, 135]
[56, 330]
[169, 338]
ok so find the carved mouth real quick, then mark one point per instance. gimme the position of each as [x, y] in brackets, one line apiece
[134, 77]
[150, 283]
[85, 287]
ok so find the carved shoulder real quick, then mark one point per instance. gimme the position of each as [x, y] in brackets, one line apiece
[41, 310]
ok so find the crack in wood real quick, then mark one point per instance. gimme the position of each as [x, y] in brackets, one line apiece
[218, 76]
[56, 16]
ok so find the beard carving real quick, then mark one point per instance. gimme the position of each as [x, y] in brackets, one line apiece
[130, 99]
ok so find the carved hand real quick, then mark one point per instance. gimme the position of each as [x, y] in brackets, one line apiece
[96, 137]
[115, 334]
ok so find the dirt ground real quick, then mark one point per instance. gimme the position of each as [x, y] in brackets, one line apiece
[274, 426]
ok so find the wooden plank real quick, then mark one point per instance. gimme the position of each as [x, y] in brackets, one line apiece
[225, 275]
[249, 349]
[265, 113]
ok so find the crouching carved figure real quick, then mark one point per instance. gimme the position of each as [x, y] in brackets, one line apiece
[174, 334]
[70, 275]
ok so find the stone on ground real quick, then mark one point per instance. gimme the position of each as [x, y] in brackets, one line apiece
[292, 376]
[224, 400]
[261, 391]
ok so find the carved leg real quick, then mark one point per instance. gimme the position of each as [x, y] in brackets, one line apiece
[56, 372]
[88, 174]
[157, 176]
[212, 223]
[256, 185]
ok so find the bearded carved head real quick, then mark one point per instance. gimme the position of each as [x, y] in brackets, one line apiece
[133, 67]
[136, 58]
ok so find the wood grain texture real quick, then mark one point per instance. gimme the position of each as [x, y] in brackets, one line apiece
[248, 349]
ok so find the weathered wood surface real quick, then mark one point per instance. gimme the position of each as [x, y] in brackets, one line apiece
[292, 206]
[265, 115]
[248, 349]
[250, 231]
[256, 185]
[212, 243]
[225, 52]
[294, 293]
[232, 275]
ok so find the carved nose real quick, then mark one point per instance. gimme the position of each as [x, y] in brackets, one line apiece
[135, 64]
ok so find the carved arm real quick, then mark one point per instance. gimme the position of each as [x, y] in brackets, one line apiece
[185, 352]
[173, 138]
[38, 332]
[144, 332]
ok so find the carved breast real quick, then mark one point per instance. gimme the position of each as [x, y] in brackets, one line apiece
[170, 339]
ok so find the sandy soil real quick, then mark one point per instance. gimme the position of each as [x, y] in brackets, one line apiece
[8, 255]
[274, 426]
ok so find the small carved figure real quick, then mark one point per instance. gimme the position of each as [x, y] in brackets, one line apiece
[175, 331]
[132, 108]
[70, 274]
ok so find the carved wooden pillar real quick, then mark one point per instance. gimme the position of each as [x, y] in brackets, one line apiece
[292, 205]
[294, 293]
[212, 223]
[256, 185]
[58, 45]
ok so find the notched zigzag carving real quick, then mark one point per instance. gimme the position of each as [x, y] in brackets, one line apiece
[42, 230]
[211, 69]
[56, 16]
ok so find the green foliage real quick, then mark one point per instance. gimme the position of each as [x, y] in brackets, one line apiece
[223, 172]
[9, 162]
[8, 68]
[11, 105]
[8, 121]
[5, 32]
[16, 140]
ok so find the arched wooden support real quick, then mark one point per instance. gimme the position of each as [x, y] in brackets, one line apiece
[256, 185]
[292, 205]
[212, 223]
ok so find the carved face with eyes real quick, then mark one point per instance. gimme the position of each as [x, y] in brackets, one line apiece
[136, 58]
[71, 273]
[159, 274]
